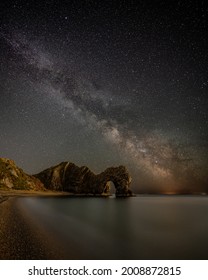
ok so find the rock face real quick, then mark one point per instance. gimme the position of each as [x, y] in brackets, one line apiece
[68, 177]
[12, 177]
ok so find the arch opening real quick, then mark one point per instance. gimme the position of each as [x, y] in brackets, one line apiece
[110, 187]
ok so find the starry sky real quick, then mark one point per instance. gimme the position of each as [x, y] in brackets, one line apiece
[107, 83]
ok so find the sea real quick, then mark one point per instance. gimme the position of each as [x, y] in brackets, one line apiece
[142, 227]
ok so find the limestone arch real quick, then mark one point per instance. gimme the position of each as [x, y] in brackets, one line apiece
[120, 178]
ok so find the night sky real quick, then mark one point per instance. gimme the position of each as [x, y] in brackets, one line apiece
[103, 83]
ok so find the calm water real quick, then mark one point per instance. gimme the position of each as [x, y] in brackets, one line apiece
[144, 227]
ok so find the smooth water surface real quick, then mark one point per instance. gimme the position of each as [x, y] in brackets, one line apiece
[142, 227]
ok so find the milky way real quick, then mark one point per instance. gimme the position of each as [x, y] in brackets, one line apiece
[126, 104]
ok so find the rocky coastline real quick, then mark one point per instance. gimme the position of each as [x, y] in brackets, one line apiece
[65, 178]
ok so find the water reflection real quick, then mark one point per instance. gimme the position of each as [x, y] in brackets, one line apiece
[136, 228]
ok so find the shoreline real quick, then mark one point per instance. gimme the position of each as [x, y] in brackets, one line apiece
[5, 194]
[22, 236]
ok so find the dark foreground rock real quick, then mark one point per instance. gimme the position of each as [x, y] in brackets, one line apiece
[68, 177]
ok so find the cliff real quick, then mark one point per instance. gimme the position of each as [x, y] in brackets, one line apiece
[13, 177]
[68, 177]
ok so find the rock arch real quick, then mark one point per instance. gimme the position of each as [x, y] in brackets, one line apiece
[81, 180]
[121, 179]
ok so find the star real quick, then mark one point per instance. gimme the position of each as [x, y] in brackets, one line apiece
[105, 84]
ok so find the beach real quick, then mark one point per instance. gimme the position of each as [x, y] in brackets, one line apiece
[20, 236]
